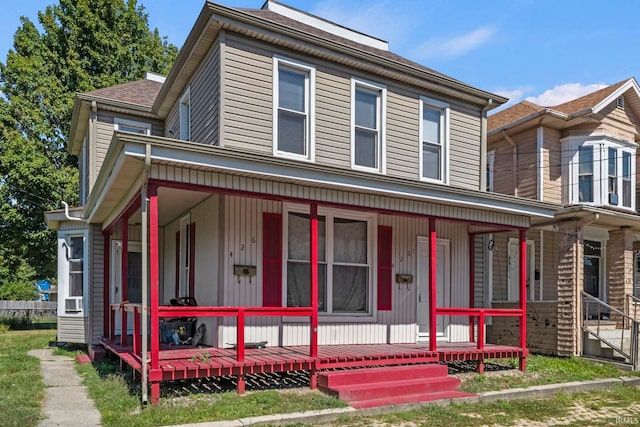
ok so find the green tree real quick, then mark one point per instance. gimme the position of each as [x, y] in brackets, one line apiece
[77, 46]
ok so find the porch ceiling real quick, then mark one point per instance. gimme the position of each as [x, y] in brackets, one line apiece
[191, 165]
[595, 216]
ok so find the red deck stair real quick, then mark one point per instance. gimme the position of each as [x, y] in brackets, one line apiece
[391, 385]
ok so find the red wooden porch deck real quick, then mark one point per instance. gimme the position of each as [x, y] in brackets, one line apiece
[185, 362]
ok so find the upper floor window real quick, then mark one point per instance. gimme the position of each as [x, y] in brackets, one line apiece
[185, 116]
[491, 157]
[293, 122]
[434, 135]
[132, 126]
[601, 174]
[368, 107]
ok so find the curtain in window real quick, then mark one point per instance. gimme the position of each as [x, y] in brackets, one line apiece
[350, 281]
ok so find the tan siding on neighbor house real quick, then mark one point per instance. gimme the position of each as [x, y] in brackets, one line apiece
[552, 182]
[618, 122]
[503, 168]
[527, 164]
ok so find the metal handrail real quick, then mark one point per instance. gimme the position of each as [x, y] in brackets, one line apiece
[636, 301]
[632, 355]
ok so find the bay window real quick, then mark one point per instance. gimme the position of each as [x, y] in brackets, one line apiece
[601, 173]
[344, 261]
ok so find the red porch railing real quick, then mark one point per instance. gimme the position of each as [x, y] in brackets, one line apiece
[240, 313]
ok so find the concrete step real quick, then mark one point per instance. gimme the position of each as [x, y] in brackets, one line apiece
[413, 398]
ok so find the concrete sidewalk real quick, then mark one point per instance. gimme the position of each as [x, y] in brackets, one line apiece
[66, 402]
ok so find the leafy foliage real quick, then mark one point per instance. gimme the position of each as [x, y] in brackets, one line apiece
[77, 46]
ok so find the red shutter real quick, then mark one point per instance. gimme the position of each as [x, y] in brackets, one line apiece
[384, 267]
[177, 264]
[271, 260]
[192, 258]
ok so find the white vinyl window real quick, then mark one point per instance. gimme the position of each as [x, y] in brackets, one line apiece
[434, 140]
[601, 174]
[185, 116]
[368, 106]
[131, 126]
[491, 158]
[293, 105]
[345, 260]
[72, 272]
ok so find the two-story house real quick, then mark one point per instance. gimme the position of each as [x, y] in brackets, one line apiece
[314, 192]
[580, 155]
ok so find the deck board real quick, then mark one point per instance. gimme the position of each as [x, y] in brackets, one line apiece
[183, 362]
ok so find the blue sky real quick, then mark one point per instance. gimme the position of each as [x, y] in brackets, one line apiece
[540, 50]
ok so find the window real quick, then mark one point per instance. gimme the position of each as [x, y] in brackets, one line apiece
[626, 179]
[434, 124]
[72, 272]
[344, 262]
[293, 109]
[585, 174]
[367, 137]
[185, 256]
[185, 116]
[491, 157]
[132, 126]
[601, 172]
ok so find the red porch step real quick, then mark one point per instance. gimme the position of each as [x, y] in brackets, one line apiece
[391, 385]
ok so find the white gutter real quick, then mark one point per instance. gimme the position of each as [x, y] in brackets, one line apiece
[145, 272]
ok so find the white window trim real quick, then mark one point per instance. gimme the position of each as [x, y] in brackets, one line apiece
[444, 138]
[63, 273]
[311, 102]
[382, 113]
[185, 103]
[117, 121]
[372, 226]
[602, 236]
[601, 148]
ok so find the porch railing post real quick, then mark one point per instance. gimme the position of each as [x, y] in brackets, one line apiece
[313, 259]
[481, 321]
[154, 279]
[523, 296]
[432, 285]
[240, 335]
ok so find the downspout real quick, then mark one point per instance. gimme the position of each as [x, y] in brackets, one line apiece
[515, 161]
[483, 145]
[68, 216]
[145, 273]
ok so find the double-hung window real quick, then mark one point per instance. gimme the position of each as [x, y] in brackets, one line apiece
[293, 119]
[368, 126]
[344, 261]
[72, 272]
[626, 179]
[185, 116]
[612, 181]
[585, 174]
[434, 136]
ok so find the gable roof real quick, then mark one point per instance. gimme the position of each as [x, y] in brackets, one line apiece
[591, 103]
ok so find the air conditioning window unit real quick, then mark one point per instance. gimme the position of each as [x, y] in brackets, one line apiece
[72, 305]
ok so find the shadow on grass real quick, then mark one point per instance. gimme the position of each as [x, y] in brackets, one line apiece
[25, 323]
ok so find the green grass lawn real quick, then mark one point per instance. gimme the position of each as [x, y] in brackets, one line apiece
[21, 387]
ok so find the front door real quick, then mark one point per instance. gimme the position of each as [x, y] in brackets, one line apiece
[443, 282]
[134, 275]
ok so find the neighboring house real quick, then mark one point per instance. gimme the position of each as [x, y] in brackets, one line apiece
[295, 173]
[580, 155]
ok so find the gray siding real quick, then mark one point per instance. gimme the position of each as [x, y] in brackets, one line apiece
[96, 283]
[248, 115]
[204, 90]
[72, 329]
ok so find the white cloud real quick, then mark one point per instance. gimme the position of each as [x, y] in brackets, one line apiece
[455, 46]
[514, 95]
[564, 92]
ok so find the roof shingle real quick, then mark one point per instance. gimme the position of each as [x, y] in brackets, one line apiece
[139, 92]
